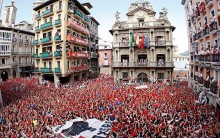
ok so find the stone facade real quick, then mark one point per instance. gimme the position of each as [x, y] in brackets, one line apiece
[155, 59]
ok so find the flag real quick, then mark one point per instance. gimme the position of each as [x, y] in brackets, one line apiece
[147, 41]
[137, 38]
[132, 40]
[141, 44]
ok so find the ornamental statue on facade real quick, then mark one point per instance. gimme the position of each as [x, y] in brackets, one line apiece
[117, 17]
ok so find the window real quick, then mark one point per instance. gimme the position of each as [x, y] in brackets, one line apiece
[105, 62]
[124, 75]
[3, 61]
[216, 75]
[160, 75]
[44, 35]
[216, 42]
[50, 65]
[208, 45]
[68, 64]
[51, 19]
[200, 24]
[212, 13]
[58, 64]
[59, 16]
[60, 5]
[45, 64]
[205, 20]
[105, 55]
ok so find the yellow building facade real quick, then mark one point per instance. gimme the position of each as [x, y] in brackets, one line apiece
[62, 41]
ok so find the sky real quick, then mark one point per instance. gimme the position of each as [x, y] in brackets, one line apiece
[104, 12]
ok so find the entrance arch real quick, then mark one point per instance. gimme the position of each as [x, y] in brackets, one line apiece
[4, 76]
[142, 77]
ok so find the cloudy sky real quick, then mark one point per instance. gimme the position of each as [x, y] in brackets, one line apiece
[104, 12]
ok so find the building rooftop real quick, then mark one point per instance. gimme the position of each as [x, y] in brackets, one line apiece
[16, 30]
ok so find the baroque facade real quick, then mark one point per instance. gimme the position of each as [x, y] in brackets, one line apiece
[142, 45]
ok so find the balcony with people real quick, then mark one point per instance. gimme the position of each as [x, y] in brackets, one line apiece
[216, 54]
[77, 26]
[213, 24]
[214, 86]
[58, 52]
[142, 60]
[207, 80]
[206, 30]
[46, 40]
[57, 37]
[47, 53]
[48, 12]
[78, 39]
[76, 52]
[78, 67]
[57, 22]
[161, 60]
[160, 41]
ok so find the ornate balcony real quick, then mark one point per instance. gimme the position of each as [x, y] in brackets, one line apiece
[57, 54]
[5, 53]
[213, 26]
[47, 13]
[195, 37]
[46, 70]
[5, 66]
[143, 64]
[160, 43]
[77, 27]
[37, 16]
[46, 55]
[57, 37]
[77, 40]
[46, 40]
[193, 19]
[57, 22]
[214, 87]
[37, 29]
[94, 55]
[57, 70]
[78, 54]
[46, 26]
[206, 31]
[206, 84]
[35, 42]
[200, 35]
[78, 69]
[36, 55]
[36, 70]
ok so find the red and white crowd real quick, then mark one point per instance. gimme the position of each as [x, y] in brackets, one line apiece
[31, 109]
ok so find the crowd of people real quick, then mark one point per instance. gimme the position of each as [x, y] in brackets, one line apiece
[32, 109]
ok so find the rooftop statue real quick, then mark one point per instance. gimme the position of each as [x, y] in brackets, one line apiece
[117, 17]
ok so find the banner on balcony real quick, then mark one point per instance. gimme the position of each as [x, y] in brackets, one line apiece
[78, 128]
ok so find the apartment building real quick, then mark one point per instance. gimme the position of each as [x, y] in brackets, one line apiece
[105, 59]
[16, 48]
[62, 41]
[203, 23]
[143, 45]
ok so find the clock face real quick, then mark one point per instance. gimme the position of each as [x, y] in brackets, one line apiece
[140, 13]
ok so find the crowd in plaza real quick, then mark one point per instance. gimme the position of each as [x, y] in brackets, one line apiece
[32, 109]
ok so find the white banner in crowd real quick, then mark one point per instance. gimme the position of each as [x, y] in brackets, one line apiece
[79, 128]
[141, 87]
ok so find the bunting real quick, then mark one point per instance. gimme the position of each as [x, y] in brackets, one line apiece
[132, 40]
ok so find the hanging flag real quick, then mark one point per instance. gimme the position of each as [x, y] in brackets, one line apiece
[132, 40]
[142, 41]
[137, 39]
[147, 41]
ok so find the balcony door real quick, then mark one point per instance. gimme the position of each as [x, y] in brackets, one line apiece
[50, 65]
[125, 60]
[160, 60]
[142, 77]
[4, 76]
